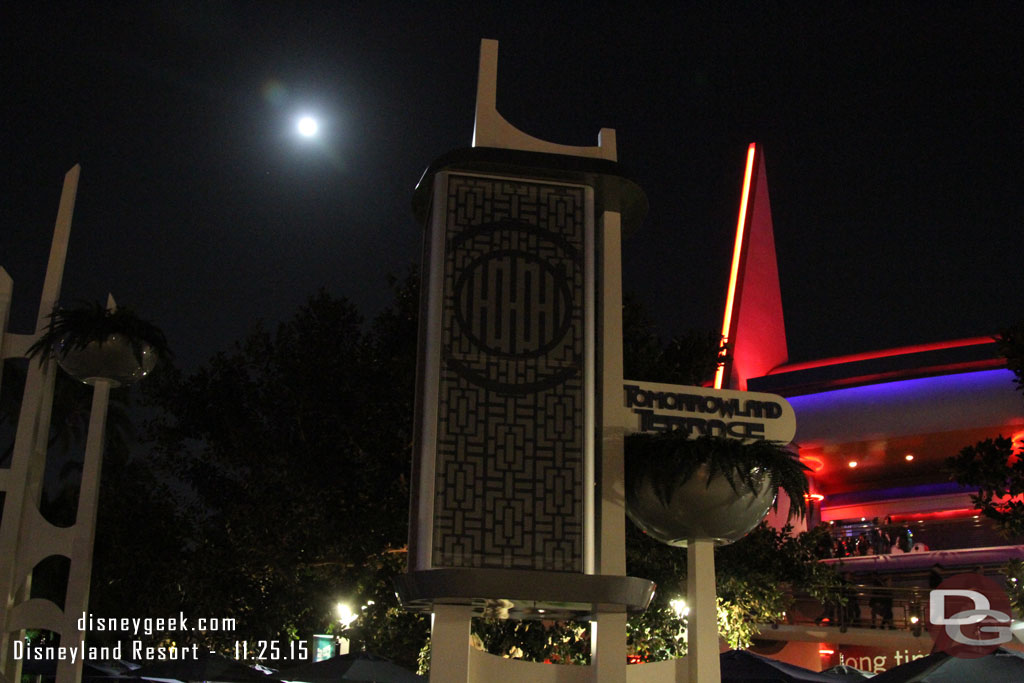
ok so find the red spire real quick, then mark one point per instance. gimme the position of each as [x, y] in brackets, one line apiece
[753, 327]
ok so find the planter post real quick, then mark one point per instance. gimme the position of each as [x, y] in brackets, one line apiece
[702, 629]
[84, 536]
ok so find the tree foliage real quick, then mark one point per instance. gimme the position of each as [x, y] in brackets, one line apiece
[294, 449]
[140, 561]
[757, 575]
[384, 627]
[1011, 345]
[689, 358]
[993, 466]
[1014, 572]
[558, 642]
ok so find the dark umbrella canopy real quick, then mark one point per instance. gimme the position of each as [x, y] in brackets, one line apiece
[48, 668]
[740, 666]
[360, 666]
[842, 672]
[206, 667]
[1001, 665]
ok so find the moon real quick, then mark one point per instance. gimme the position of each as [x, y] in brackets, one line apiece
[308, 126]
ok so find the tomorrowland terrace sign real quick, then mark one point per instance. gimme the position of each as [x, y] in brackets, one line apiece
[702, 411]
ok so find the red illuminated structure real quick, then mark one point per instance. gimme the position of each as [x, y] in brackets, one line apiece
[874, 428]
[753, 330]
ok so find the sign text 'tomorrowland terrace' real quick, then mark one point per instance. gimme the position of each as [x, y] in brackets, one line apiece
[702, 411]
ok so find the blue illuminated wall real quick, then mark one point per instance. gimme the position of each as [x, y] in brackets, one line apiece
[912, 406]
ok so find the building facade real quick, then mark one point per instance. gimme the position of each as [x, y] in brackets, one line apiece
[875, 429]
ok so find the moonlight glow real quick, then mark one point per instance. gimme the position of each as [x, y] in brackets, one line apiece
[308, 126]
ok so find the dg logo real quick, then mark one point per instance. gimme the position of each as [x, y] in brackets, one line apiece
[969, 616]
[513, 302]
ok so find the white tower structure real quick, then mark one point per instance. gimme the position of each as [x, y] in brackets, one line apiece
[26, 538]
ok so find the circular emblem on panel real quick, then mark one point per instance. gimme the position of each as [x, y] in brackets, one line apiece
[513, 306]
[513, 303]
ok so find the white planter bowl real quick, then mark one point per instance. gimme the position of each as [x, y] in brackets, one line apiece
[112, 360]
[697, 509]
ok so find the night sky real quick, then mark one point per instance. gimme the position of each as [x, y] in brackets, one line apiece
[892, 133]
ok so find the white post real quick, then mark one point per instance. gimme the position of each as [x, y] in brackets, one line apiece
[702, 628]
[608, 631]
[28, 462]
[77, 599]
[449, 643]
[84, 535]
[608, 661]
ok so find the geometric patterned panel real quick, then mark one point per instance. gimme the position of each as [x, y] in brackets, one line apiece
[509, 458]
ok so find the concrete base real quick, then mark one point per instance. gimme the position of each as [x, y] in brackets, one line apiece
[454, 660]
[449, 643]
[524, 594]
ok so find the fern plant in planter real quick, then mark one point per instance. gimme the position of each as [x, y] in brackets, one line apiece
[680, 489]
[91, 342]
